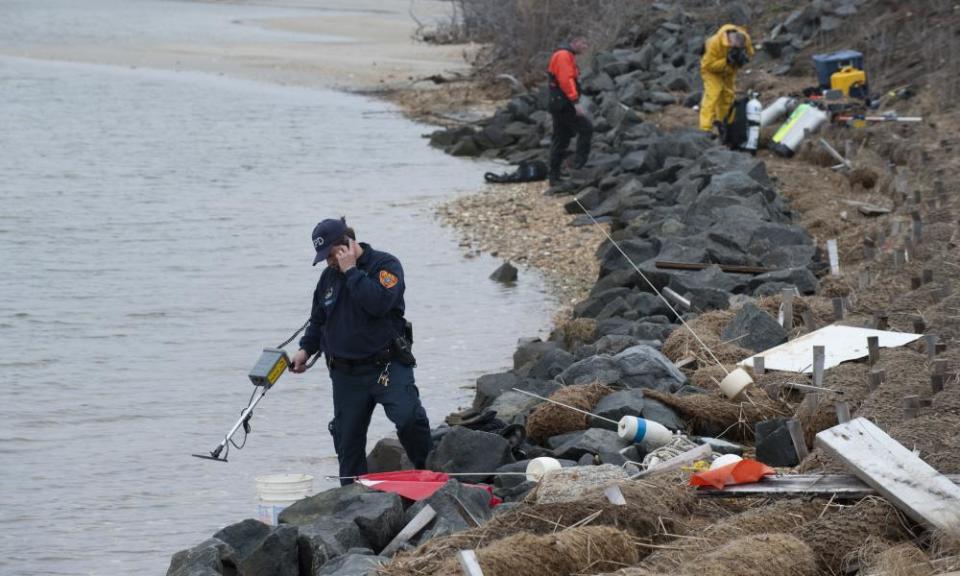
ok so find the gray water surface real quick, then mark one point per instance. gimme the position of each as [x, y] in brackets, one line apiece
[154, 237]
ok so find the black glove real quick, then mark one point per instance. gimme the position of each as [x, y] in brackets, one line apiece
[737, 57]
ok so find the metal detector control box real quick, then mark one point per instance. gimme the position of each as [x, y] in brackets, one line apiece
[268, 369]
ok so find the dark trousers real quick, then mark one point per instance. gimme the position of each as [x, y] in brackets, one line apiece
[566, 125]
[356, 392]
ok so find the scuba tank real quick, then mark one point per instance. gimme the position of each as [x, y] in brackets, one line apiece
[774, 112]
[805, 118]
[754, 110]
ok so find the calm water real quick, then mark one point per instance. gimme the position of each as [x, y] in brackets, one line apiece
[154, 237]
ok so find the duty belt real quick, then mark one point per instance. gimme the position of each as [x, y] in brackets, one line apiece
[377, 359]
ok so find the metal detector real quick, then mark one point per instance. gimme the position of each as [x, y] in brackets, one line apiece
[273, 362]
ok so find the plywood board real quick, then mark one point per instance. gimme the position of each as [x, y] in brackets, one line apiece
[842, 344]
[845, 486]
[895, 472]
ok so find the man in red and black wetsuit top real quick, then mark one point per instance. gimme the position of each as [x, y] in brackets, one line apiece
[565, 108]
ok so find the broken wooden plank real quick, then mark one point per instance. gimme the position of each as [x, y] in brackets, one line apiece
[799, 485]
[733, 268]
[895, 472]
[469, 564]
[615, 495]
[796, 436]
[808, 388]
[675, 297]
[418, 523]
[843, 412]
[872, 210]
[786, 308]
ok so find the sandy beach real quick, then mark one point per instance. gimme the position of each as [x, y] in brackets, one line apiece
[364, 45]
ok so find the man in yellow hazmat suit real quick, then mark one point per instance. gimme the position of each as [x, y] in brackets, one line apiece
[724, 54]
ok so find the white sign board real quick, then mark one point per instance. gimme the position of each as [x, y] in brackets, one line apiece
[841, 343]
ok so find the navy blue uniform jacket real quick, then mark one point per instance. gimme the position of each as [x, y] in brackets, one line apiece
[357, 314]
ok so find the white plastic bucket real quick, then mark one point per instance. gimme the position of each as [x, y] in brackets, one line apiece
[277, 491]
[735, 383]
[651, 434]
[724, 460]
[538, 467]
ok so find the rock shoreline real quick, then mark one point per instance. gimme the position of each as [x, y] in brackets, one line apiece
[674, 196]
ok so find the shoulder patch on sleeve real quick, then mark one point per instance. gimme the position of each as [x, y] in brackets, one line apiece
[388, 280]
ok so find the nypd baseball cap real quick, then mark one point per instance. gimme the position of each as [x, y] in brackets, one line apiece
[326, 235]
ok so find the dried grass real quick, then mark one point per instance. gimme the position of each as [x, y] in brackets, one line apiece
[715, 415]
[653, 508]
[781, 516]
[900, 560]
[550, 420]
[586, 550]
[579, 331]
[821, 307]
[839, 534]
[757, 555]
[936, 437]
[906, 373]
[681, 342]
[851, 380]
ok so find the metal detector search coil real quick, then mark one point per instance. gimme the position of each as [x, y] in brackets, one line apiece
[272, 364]
[269, 368]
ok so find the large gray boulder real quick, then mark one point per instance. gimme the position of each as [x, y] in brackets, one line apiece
[553, 362]
[711, 277]
[465, 450]
[388, 455]
[611, 344]
[619, 404]
[600, 368]
[529, 350]
[512, 407]
[491, 386]
[204, 559]
[378, 515]
[256, 548]
[754, 329]
[639, 366]
[659, 412]
[353, 565]
[325, 539]
[457, 505]
[593, 441]
[801, 278]
[643, 366]
[243, 537]
[276, 555]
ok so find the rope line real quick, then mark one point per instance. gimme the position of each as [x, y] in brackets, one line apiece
[652, 287]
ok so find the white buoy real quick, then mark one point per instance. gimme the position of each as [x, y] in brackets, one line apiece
[538, 467]
[734, 384]
[724, 460]
[651, 434]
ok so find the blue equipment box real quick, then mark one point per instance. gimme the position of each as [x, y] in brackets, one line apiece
[827, 64]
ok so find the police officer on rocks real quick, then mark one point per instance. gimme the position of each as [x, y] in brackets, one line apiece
[357, 322]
